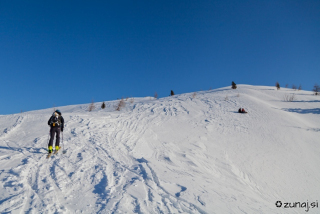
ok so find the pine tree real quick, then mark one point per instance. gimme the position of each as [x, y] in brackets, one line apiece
[103, 106]
[316, 89]
[277, 85]
[172, 93]
[233, 85]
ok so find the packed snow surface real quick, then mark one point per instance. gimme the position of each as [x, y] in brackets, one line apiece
[189, 153]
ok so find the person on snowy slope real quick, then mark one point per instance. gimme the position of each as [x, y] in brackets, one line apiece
[56, 123]
[241, 110]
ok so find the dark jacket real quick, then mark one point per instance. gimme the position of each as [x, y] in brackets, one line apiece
[61, 125]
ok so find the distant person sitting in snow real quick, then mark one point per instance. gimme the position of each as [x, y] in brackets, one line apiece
[241, 110]
[56, 122]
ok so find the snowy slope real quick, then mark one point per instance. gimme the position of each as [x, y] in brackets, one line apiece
[179, 154]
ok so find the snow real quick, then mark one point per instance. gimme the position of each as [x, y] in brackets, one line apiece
[179, 154]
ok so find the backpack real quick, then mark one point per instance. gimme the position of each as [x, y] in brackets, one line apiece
[55, 120]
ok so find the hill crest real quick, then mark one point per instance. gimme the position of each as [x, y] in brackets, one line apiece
[188, 153]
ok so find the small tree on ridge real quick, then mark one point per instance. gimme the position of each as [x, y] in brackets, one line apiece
[120, 104]
[103, 106]
[316, 89]
[91, 106]
[233, 85]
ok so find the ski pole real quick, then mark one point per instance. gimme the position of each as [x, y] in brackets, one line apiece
[48, 138]
[64, 151]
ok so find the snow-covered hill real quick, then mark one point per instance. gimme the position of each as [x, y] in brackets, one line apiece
[190, 153]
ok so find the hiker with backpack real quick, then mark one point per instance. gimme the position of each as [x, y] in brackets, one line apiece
[56, 123]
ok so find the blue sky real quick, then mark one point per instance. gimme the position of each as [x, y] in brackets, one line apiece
[70, 52]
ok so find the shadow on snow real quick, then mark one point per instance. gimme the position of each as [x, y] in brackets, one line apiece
[303, 111]
[29, 149]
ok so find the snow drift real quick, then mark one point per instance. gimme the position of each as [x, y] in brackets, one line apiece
[182, 154]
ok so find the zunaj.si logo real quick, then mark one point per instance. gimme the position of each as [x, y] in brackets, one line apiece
[278, 203]
[305, 205]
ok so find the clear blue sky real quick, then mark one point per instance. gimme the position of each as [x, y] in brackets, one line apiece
[70, 52]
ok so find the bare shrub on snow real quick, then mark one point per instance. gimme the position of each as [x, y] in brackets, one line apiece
[91, 106]
[120, 104]
[289, 97]
[294, 87]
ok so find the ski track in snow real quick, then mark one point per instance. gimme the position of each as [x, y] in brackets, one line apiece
[180, 154]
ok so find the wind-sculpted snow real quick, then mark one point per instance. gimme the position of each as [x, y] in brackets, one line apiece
[180, 154]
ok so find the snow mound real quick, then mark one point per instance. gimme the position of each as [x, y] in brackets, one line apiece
[189, 153]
